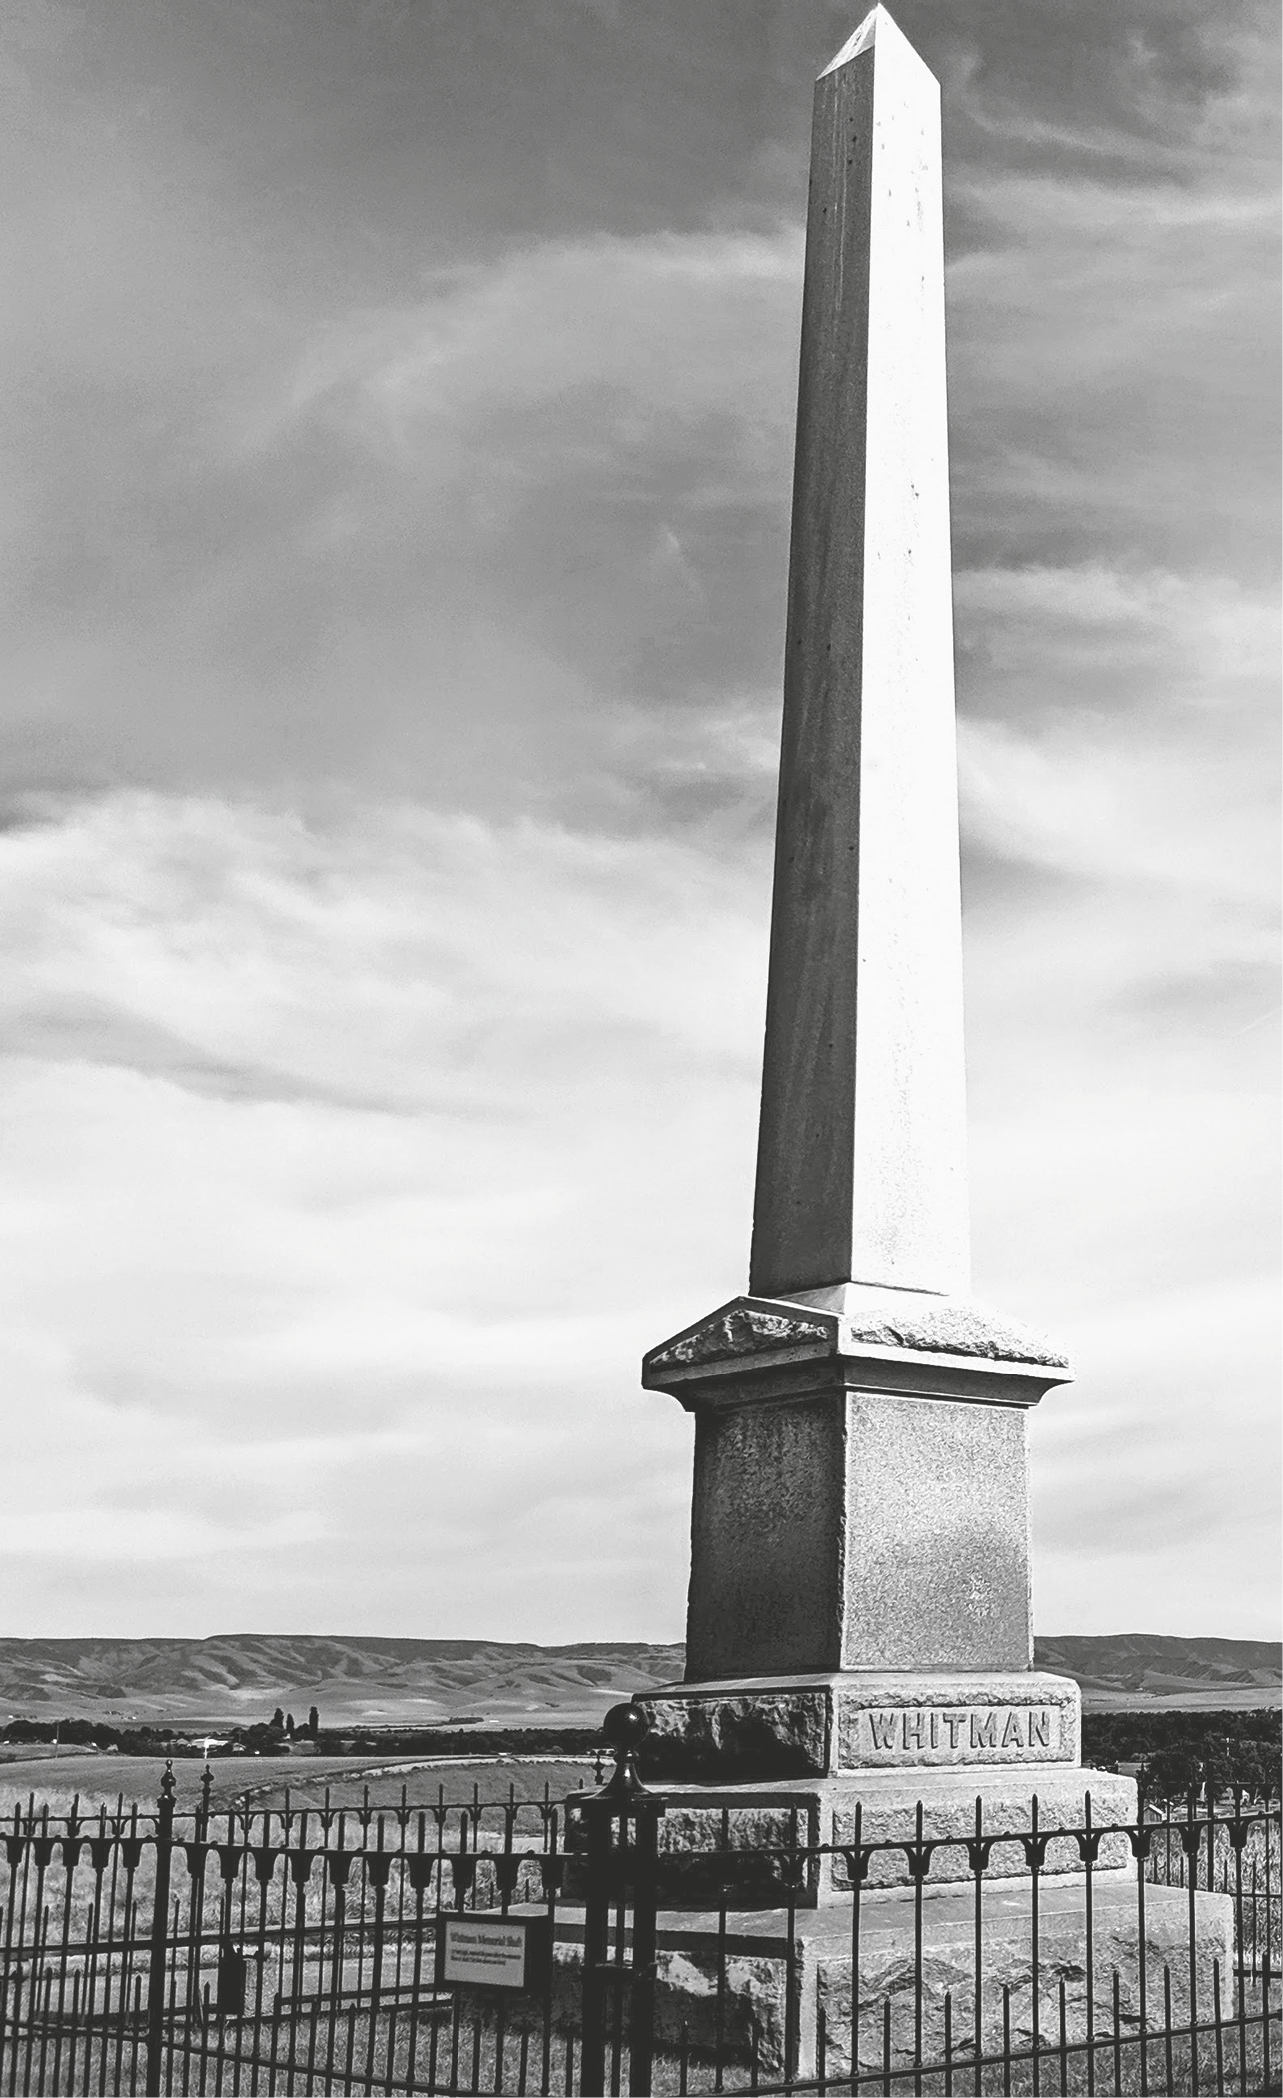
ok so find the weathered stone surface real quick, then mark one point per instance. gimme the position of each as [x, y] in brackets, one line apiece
[740, 1328]
[755, 1945]
[952, 1328]
[937, 1536]
[768, 1515]
[756, 1821]
[729, 1735]
[889, 1800]
[887, 1969]
[845, 1321]
[858, 1530]
[905, 1318]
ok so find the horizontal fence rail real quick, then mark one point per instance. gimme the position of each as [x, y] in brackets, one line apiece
[604, 1943]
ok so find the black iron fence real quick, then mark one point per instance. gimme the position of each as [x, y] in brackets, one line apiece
[1101, 1957]
[265, 1950]
[611, 1943]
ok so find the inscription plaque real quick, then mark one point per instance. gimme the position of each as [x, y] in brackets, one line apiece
[897, 1734]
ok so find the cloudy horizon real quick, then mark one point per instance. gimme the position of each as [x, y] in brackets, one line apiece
[399, 405]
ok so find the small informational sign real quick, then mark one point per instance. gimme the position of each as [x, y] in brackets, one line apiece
[492, 1952]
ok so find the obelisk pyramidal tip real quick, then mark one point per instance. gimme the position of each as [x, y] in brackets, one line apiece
[861, 1174]
[859, 40]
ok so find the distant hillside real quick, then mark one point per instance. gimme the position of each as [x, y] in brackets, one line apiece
[427, 1682]
[404, 1681]
[1131, 1668]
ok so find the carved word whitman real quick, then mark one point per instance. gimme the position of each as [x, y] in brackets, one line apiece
[1008, 1727]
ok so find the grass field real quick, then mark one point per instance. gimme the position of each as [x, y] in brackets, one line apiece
[262, 1781]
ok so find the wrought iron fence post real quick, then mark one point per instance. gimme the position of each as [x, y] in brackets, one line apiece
[599, 1816]
[611, 1861]
[641, 2015]
[206, 1794]
[159, 1937]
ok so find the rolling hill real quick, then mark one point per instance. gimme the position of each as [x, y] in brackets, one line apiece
[242, 1676]
[1136, 1668]
[427, 1682]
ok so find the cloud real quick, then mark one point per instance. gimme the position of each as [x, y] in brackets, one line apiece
[1120, 744]
[395, 546]
[478, 491]
[1121, 932]
[360, 1344]
[1110, 639]
[659, 322]
[252, 926]
[195, 1277]
[1140, 1473]
[1086, 321]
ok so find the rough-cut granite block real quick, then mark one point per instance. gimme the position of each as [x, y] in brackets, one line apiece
[887, 1969]
[756, 1823]
[735, 1735]
[748, 1731]
[691, 2011]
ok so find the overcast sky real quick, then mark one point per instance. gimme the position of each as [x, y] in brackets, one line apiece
[398, 404]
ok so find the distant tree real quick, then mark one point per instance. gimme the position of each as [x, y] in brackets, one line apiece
[1213, 1766]
[289, 1725]
[278, 1720]
[1251, 1767]
[1109, 1737]
[29, 1730]
[313, 1721]
[1171, 1774]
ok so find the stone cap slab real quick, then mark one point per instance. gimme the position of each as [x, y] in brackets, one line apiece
[854, 1334]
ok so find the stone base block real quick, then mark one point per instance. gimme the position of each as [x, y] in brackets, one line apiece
[758, 1823]
[750, 2008]
[821, 1725]
[888, 1970]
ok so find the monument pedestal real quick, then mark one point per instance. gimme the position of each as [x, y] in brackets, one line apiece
[860, 1533]
[861, 1494]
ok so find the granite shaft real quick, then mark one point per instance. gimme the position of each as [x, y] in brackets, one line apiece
[861, 1172]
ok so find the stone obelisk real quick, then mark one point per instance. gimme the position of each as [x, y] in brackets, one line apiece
[861, 1174]
[860, 1591]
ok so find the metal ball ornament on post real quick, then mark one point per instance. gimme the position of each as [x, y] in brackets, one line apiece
[625, 1728]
